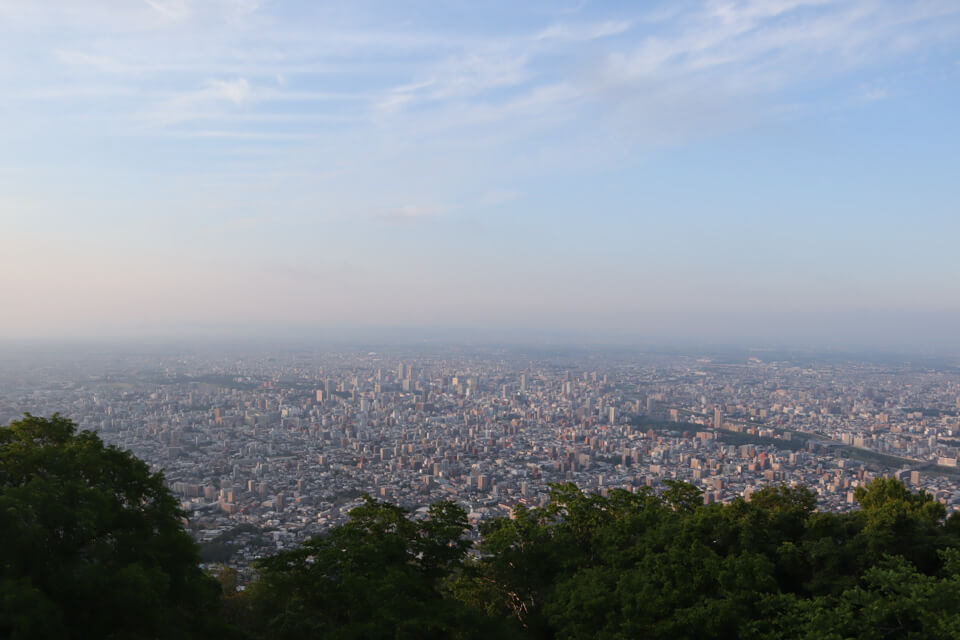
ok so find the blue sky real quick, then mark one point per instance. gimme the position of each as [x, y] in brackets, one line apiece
[752, 170]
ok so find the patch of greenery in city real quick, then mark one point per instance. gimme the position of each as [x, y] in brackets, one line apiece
[94, 547]
[738, 438]
[647, 423]
[797, 435]
[216, 552]
[928, 412]
[222, 548]
[942, 470]
[221, 380]
[874, 457]
[343, 496]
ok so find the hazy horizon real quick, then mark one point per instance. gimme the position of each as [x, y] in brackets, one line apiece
[362, 338]
[750, 172]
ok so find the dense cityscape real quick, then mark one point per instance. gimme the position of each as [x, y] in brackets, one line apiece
[269, 448]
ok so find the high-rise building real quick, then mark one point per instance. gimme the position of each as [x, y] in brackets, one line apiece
[717, 417]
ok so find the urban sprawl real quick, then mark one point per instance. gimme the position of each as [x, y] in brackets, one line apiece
[267, 450]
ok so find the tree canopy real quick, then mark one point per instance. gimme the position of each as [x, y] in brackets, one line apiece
[93, 543]
[629, 565]
[381, 575]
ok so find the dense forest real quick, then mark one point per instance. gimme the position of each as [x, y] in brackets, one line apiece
[94, 547]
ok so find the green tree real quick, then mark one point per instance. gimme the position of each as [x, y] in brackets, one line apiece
[380, 575]
[516, 570]
[93, 543]
[897, 521]
[682, 496]
[635, 565]
[892, 600]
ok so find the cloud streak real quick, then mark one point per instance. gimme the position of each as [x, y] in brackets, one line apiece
[410, 215]
[208, 102]
[727, 49]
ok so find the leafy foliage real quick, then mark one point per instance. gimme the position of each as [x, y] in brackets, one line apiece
[378, 576]
[93, 542]
[636, 565]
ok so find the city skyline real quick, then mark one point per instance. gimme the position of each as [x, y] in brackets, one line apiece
[751, 172]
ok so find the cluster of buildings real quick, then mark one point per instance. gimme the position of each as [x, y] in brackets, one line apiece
[266, 450]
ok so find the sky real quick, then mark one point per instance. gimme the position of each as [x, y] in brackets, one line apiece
[743, 171]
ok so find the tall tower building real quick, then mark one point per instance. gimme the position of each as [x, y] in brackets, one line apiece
[717, 417]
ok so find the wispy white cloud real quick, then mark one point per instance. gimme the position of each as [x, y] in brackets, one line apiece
[459, 78]
[110, 17]
[726, 47]
[876, 94]
[242, 134]
[731, 62]
[171, 9]
[410, 214]
[236, 91]
[207, 101]
[579, 33]
[799, 34]
[400, 96]
[83, 59]
[62, 92]
[375, 93]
